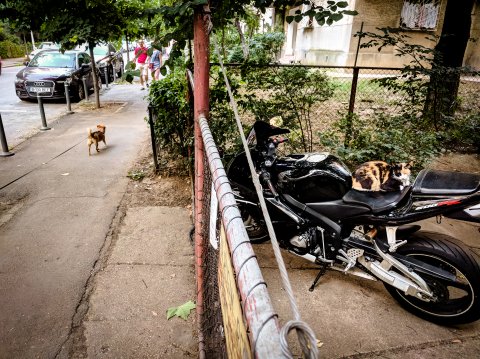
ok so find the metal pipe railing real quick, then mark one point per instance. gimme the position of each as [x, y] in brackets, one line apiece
[260, 316]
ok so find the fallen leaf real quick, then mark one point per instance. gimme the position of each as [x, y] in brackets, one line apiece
[182, 311]
[65, 174]
[319, 344]
[154, 313]
[456, 341]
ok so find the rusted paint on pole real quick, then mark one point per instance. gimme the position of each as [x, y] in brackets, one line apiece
[201, 106]
[258, 310]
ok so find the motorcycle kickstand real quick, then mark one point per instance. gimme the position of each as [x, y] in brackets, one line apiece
[321, 272]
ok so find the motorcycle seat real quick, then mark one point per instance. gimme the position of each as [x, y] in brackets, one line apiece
[434, 182]
[377, 201]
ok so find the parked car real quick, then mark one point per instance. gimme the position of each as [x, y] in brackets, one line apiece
[108, 60]
[0, 65]
[47, 72]
[47, 45]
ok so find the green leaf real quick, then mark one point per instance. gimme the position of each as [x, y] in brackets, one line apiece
[182, 311]
[342, 4]
[289, 19]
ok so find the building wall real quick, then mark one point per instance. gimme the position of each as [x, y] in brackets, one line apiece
[336, 44]
[472, 54]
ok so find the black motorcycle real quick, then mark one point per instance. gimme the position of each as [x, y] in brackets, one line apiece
[317, 215]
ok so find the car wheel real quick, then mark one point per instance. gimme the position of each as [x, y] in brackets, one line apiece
[110, 74]
[80, 94]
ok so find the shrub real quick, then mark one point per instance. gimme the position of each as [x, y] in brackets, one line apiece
[9, 49]
[382, 137]
[288, 93]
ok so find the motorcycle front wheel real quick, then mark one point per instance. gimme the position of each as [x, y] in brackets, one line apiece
[455, 303]
[256, 229]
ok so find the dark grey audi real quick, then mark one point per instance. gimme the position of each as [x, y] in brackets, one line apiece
[45, 75]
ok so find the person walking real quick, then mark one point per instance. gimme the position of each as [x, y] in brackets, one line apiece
[156, 63]
[141, 54]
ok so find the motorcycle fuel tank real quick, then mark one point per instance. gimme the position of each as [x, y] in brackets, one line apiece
[313, 177]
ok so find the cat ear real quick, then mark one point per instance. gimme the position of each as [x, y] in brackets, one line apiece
[409, 164]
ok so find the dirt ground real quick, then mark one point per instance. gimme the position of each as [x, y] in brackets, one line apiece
[168, 187]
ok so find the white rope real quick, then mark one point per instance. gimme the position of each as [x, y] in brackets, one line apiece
[304, 332]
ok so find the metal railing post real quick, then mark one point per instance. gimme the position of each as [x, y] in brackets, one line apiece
[152, 134]
[351, 106]
[42, 114]
[67, 95]
[106, 77]
[84, 80]
[5, 152]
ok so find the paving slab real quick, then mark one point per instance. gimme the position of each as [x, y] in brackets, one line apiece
[149, 271]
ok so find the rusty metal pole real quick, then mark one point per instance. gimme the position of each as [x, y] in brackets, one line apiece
[201, 106]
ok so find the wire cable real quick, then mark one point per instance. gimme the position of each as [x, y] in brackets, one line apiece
[306, 337]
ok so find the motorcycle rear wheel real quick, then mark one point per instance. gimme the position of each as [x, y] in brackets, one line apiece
[459, 304]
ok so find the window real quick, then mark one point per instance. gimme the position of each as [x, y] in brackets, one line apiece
[420, 15]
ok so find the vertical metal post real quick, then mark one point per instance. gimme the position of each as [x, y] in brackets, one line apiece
[353, 90]
[42, 114]
[152, 135]
[201, 107]
[67, 96]
[106, 77]
[351, 106]
[358, 45]
[84, 80]
[5, 152]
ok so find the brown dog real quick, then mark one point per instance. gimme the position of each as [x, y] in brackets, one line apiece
[96, 137]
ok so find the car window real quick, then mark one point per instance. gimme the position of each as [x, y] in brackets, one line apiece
[100, 50]
[53, 59]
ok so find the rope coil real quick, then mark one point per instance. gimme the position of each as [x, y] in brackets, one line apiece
[306, 337]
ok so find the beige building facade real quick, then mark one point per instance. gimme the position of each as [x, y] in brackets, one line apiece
[336, 45]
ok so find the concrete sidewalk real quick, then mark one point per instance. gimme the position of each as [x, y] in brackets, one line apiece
[81, 273]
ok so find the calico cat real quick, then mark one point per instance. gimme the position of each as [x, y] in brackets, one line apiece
[380, 176]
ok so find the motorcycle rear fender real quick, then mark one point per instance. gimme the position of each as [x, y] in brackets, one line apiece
[470, 214]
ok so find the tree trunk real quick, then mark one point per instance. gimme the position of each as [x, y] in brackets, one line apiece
[242, 39]
[449, 53]
[91, 45]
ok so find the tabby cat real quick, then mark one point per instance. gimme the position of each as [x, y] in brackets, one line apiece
[380, 176]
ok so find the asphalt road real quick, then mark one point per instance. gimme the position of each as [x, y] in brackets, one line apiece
[21, 119]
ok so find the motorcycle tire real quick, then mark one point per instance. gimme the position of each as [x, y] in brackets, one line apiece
[454, 305]
[256, 230]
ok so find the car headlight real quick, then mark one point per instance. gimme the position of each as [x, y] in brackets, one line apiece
[19, 80]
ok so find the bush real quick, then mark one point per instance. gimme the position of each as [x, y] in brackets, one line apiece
[263, 48]
[9, 49]
[174, 114]
[389, 138]
[288, 93]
